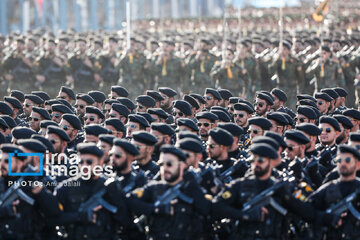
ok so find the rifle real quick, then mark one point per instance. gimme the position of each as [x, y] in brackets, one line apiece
[15, 191]
[225, 177]
[345, 205]
[94, 201]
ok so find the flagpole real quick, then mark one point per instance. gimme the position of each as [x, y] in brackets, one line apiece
[128, 34]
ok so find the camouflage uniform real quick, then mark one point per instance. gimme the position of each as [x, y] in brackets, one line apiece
[104, 65]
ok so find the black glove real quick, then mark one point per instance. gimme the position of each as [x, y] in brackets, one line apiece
[312, 167]
[241, 167]
[254, 215]
[331, 219]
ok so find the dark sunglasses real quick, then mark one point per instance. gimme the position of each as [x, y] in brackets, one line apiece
[80, 106]
[90, 118]
[320, 102]
[231, 109]
[87, 161]
[260, 160]
[106, 110]
[212, 146]
[63, 97]
[50, 111]
[140, 107]
[53, 141]
[259, 104]
[205, 124]
[56, 115]
[116, 155]
[291, 148]
[328, 130]
[255, 131]
[34, 118]
[347, 160]
[66, 127]
[302, 120]
[178, 113]
[168, 163]
[208, 97]
[240, 115]
[130, 125]
[28, 105]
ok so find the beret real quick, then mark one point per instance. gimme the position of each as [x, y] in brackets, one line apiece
[352, 113]
[264, 150]
[308, 102]
[5, 109]
[183, 106]
[214, 92]
[121, 91]
[247, 103]
[225, 94]
[307, 112]
[95, 110]
[108, 138]
[349, 149]
[144, 137]
[86, 98]
[331, 92]
[68, 91]
[297, 136]
[198, 97]
[120, 108]
[52, 102]
[233, 100]
[43, 112]
[34, 98]
[11, 148]
[324, 96]
[116, 123]
[155, 95]
[127, 102]
[325, 48]
[286, 44]
[158, 111]
[9, 121]
[95, 129]
[98, 96]
[167, 91]
[14, 102]
[190, 144]
[187, 134]
[243, 107]
[126, 146]
[139, 119]
[147, 116]
[167, 148]
[221, 115]
[18, 95]
[345, 121]
[309, 128]
[279, 94]
[262, 122]
[146, 100]
[111, 101]
[163, 128]
[221, 136]
[33, 145]
[22, 132]
[305, 96]
[67, 104]
[49, 146]
[277, 137]
[332, 121]
[278, 118]
[43, 95]
[58, 131]
[73, 120]
[268, 140]
[89, 148]
[3, 124]
[354, 136]
[192, 101]
[219, 108]
[207, 115]
[342, 92]
[188, 123]
[265, 97]
[233, 128]
[46, 123]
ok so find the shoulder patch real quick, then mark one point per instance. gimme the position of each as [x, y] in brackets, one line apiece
[61, 207]
[139, 192]
[226, 195]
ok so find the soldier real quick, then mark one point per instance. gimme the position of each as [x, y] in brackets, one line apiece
[67, 94]
[120, 112]
[16, 107]
[99, 98]
[115, 127]
[82, 100]
[118, 91]
[181, 109]
[36, 116]
[71, 124]
[144, 102]
[156, 96]
[278, 122]
[236, 132]
[280, 98]
[206, 121]
[345, 125]
[194, 150]
[263, 103]
[354, 116]
[168, 94]
[212, 98]
[163, 133]
[92, 133]
[31, 101]
[312, 132]
[158, 114]
[135, 123]
[258, 126]
[323, 101]
[93, 115]
[305, 114]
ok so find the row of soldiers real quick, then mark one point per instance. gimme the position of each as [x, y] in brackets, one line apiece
[300, 62]
[211, 166]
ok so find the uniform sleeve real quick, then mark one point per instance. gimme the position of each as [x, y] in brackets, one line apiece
[223, 203]
[139, 201]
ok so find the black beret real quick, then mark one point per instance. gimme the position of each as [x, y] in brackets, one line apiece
[198, 97]
[86, 98]
[167, 148]
[111, 101]
[121, 91]
[354, 136]
[163, 128]
[309, 128]
[116, 123]
[305, 96]
[22, 132]
[233, 128]
[352, 113]
[264, 150]
[233, 100]
[268, 140]
[214, 92]
[286, 44]
[167, 91]
[297, 136]
[14, 102]
[190, 144]
[120, 108]
[262, 122]
[68, 91]
[221, 115]
[188, 123]
[108, 138]
[73, 120]
[265, 97]
[126, 146]
[5, 108]
[89, 148]
[127, 102]
[187, 134]
[277, 137]
[46, 123]
[33, 145]
[192, 101]
[155, 95]
[43, 95]
[221, 136]
[225, 94]
[307, 112]
[325, 48]
[345, 121]
[342, 92]
[146, 100]
[18, 95]
[207, 115]
[323, 96]
[279, 118]
[61, 108]
[147, 116]
[58, 131]
[331, 92]
[144, 137]
[9, 121]
[349, 149]
[45, 141]
[3, 124]
[34, 98]
[52, 102]
[43, 112]
[159, 112]
[183, 106]
[95, 110]
[98, 96]
[95, 129]
[279, 94]
[243, 107]
[332, 121]
[139, 119]
[11, 148]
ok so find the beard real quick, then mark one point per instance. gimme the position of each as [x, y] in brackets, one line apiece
[346, 173]
[173, 177]
[261, 172]
[121, 167]
[340, 138]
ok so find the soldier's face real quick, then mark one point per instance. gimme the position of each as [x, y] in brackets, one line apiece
[143, 150]
[81, 46]
[56, 116]
[255, 131]
[28, 105]
[177, 114]
[140, 108]
[50, 47]
[301, 119]
[241, 117]
[347, 165]
[159, 136]
[56, 142]
[106, 110]
[275, 127]
[276, 102]
[293, 149]
[62, 45]
[132, 127]
[171, 167]
[106, 148]
[118, 158]
[214, 150]
[80, 107]
[325, 55]
[91, 118]
[210, 100]
[64, 96]
[204, 126]
[229, 55]
[328, 134]
[88, 162]
[336, 46]
[66, 126]
[322, 105]
[35, 119]
[260, 165]
[260, 106]
[5, 164]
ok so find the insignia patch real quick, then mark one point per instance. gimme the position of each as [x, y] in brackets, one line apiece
[61, 207]
[226, 195]
[139, 193]
[208, 197]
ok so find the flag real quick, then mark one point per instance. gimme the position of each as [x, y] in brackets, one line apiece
[321, 11]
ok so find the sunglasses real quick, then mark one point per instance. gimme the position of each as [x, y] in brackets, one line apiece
[87, 161]
[90, 118]
[320, 103]
[66, 127]
[62, 97]
[231, 109]
[255, 131]
[50, 111]
[178, 113]
[168, 164]
[347, 160]
[53, 141]
[302, 120]
[259, 159]
[34, 118]
[56, 115]
[291, 148]
[328, 130]
[205, 124]
[116, 155]
[130, 125]
[212, 146]
[80, 106]
[240, 115]
[140, 107]
[208, 97]
[106, 110]
[28, 105]
[260, 104]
